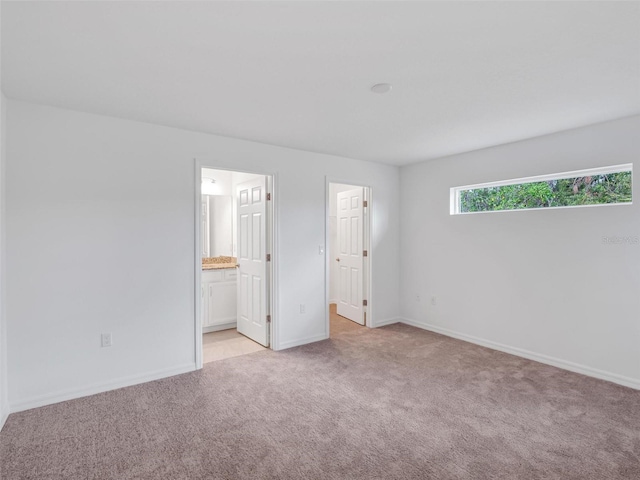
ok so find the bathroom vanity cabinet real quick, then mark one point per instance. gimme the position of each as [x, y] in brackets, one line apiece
[218, 299]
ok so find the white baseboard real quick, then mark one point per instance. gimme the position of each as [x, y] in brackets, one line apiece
[3, 419]
[317, 338]
[302, 341]
[388, 321]
[538, 357]
[71, 394]
[335, 300]
[217, 328]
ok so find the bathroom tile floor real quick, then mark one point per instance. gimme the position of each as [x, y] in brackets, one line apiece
[226, 344]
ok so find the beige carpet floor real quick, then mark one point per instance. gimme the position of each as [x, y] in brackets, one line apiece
[390, 403]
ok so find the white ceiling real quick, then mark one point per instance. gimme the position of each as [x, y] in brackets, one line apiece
[466, 75]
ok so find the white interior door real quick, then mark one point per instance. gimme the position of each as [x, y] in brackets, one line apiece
[252, 260]
[350, 254]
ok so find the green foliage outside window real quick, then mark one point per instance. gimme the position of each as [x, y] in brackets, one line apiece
[566, 192]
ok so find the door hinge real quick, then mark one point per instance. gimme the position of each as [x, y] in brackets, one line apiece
[364, 303]
[268, 318]
[268, 257]
[365, 253]
[269, 196]
[365, 204]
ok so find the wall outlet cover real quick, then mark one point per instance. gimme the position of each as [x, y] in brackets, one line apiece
[105, 340]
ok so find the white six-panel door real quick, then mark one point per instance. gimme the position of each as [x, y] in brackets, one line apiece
[350, 254]
[252, 272]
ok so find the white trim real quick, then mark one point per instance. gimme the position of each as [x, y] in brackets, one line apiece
[3, 419]
[272, 244]
[219, 327]
[626, 167]
[272, 273]
[621, 204]
[197, 262]
[303, 341]
[367, 266]
[388, 321]
[454, 192]
[71, 394]
[538, 357]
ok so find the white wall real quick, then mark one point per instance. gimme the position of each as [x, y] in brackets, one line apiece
[334, 189]
[119, 253]
[4, 399]
[538, 283]
[223, 178]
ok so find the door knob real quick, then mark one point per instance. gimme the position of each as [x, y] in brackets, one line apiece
[337, 259]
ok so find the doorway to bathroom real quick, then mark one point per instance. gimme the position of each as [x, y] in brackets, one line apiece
[349, 257]
[234, 226]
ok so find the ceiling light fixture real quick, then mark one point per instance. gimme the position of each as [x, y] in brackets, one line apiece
[209, 186]
[381, 88]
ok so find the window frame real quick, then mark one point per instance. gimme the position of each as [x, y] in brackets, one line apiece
[454, 192]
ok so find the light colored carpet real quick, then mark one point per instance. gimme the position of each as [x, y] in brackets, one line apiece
[391, 403]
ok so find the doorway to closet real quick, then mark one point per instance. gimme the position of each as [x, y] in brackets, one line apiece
[348, 232]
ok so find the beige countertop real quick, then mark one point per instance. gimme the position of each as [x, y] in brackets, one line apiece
[216, 266]
[214, 263]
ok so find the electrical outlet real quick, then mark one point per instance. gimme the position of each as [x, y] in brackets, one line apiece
[303, 308]
[105, 340]
[434, 301]
[321, 250]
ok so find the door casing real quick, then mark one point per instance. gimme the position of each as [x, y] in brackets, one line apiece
[272, 267]
[368, 241]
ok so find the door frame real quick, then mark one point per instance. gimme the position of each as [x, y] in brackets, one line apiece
[367, 242]
[272, 247]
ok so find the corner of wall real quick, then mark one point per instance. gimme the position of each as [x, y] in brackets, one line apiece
[4, 397]
[500, 278]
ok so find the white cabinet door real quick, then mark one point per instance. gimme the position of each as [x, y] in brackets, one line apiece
[218, 298]
[211, 299]
[350, 254]
[252, 272]
[222, 303]
[204, 304]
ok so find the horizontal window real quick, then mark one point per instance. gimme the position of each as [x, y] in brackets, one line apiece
[595, 186]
